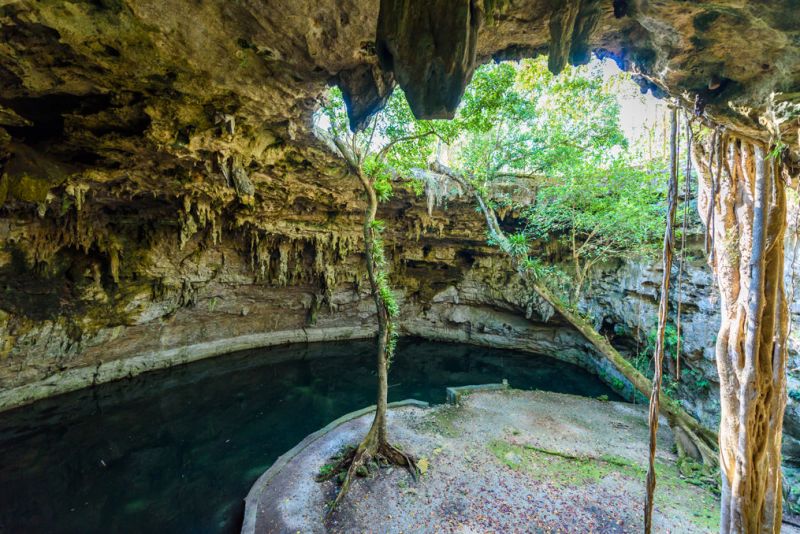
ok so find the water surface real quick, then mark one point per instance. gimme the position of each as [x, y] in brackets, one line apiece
[177, 450]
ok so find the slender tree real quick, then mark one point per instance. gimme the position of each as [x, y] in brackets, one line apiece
[558, 139]
[390, 140]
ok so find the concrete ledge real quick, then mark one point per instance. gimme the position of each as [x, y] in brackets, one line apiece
[251, 501]
[81, 377]
[454, 394]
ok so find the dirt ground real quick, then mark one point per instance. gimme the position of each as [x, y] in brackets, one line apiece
[510, 461]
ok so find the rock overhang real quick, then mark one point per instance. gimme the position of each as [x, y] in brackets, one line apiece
[129, 128]
[267, 64]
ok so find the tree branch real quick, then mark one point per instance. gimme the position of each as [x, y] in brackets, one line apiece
[391, 144]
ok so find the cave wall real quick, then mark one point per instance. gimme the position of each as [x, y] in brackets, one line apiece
[210, 299]
[160, 188]
[624, 294]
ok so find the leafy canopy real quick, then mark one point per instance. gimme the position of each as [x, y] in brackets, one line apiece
[522, 133]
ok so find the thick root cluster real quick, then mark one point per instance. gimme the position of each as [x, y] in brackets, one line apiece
[360, 461]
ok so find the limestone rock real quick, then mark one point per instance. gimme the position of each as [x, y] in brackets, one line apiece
[431, 48]
[128, 230]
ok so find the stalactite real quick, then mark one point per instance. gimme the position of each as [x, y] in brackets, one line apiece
[245, 189]
[585, 25]
[562, 25]
[328, 282]
[78, 192]
[411, 36]
[113, 263]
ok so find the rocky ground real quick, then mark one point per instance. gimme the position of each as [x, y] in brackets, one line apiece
[500, 462]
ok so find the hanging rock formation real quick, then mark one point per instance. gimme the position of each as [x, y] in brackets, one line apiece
[431, 49]
[571, 27]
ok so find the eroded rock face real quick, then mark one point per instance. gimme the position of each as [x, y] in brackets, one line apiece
[160, 187]
[623, 299]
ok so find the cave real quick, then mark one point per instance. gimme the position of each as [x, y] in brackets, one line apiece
[182, 213]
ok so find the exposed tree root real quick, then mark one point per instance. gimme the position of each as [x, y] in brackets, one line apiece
[359, 461]
[703, 439]
[744, 204]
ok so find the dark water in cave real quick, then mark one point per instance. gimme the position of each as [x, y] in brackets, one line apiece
[177, 450]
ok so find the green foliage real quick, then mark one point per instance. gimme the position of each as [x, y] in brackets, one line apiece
[377, 170]
[670, 340]
[334, 468]
[777, 150]
[616, 384]
[383, 188]
[561, 137]
[699, 474]
[332, 115]
[326, 471]
[385, 292]
[694, 380]
[599, 212]
[691, 379]
[518, 124]
[392, 144]
[519, 244]
[577, 116]
[558, 140]
[555, 279]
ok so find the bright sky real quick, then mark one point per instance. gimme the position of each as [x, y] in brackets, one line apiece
[636, 110]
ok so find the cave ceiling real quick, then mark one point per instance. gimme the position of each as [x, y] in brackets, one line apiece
[129, 107]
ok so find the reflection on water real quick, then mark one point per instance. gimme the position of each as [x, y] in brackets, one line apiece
[177, 450]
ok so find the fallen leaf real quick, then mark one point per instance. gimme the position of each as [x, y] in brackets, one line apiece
[423, 465]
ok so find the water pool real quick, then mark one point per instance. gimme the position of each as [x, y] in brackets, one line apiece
[177, 450]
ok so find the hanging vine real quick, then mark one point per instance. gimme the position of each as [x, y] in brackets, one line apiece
[658, 357]
[687, 193]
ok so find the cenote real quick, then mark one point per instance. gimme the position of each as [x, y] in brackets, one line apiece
[177, 450]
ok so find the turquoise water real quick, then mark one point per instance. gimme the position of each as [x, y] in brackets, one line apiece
[177, 450]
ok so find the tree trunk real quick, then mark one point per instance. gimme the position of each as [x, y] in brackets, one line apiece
[749, 212]
[379, 422]
[687, 194]
[576, 292]
[375, 445]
